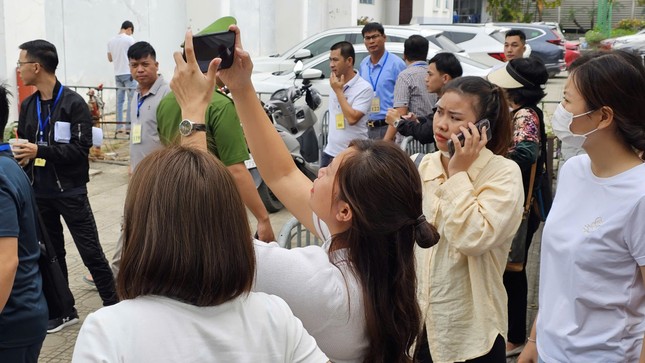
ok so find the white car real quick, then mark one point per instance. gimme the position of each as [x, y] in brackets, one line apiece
[321, 42]
[482, 42]
[266, 83]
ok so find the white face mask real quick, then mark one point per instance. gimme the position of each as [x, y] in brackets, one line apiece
[561, 122]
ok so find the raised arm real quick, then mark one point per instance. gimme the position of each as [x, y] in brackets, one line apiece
[193, 90]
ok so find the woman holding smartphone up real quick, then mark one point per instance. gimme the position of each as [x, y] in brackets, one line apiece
[356, 294]
[475, 197]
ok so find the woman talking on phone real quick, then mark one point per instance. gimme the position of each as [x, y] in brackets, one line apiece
[474, 196]
[592, 269]
[356, 294]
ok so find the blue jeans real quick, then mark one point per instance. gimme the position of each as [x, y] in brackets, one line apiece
[124, 83]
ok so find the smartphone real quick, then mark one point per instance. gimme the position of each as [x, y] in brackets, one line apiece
[480, 125]
[215, 45]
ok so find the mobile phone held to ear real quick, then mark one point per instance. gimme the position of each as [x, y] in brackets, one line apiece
[480, 125]
[215, 45]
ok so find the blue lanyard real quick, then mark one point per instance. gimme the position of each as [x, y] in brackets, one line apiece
[43, 125]
[5, 147]
[420, 64]
[140, 102]
[387, 54]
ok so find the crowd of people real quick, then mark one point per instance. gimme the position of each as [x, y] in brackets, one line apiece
[414, 265]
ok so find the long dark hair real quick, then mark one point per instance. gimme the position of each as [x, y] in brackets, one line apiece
[383, 188]
[491, 105]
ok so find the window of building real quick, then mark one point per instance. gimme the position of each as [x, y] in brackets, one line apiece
[371, 2]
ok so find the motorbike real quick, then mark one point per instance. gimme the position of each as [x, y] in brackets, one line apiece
[295, 125]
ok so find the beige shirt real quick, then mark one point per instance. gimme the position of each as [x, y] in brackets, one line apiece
[460, 287]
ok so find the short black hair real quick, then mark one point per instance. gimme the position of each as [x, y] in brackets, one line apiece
[415, 48]
[516, 32]
[140, 50]
[371, 27]
[127, 25]
[43, 52]
[346, 50]
[4, 108]
[447, 63]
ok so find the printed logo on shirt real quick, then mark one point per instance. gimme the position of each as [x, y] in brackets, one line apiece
[593, 226]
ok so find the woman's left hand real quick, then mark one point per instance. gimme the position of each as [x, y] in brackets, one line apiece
[192, 88]
[466, 155]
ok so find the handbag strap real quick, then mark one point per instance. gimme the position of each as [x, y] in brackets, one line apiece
[529, 198]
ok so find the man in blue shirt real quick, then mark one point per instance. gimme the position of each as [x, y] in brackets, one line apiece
[23, 310]
[381, 70]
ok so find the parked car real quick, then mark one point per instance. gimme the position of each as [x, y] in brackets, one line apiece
[547, 44]
[571, 52]
[611, 42]
[268, 82]
[637, 45]
[321, 42]
[483, 42]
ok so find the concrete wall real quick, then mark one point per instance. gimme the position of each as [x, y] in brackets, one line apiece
[80, 29]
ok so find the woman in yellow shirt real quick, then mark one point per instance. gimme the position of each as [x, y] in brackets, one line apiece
[475, 199]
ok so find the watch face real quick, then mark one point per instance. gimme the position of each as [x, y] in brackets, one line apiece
[185, 127]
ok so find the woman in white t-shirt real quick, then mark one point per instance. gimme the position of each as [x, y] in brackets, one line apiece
[356, 295]
[186, 274]
[592, 294]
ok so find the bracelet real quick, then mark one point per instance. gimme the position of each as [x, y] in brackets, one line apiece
[530, 340]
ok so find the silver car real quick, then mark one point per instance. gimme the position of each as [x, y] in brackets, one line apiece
[321, 42]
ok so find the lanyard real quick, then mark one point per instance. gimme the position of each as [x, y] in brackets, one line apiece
[420, 64]
[140, 102]
[43, 125]
[387, 54]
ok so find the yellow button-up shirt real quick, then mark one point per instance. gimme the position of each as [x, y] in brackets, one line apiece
[460, 286]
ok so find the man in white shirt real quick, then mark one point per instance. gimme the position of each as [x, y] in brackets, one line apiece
[118, 54]
[349, 104]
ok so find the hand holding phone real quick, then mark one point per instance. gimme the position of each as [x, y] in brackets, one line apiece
[480, 125]
[215, 45]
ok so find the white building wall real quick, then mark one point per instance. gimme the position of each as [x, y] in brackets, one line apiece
[432, 11]
[80, 29]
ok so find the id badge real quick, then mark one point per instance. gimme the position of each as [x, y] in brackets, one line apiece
[376, 105]
[40, 162]
[136, 134]
[340, 121]
[42, 143]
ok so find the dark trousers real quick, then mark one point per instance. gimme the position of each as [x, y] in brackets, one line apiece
[28, 354]
[497, 354]
[79, 218]
[376, 133]
[516, 286]
[325, 159]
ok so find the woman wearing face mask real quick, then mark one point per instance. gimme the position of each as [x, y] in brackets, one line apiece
[592, 295]
[475, 198]
[523, 79]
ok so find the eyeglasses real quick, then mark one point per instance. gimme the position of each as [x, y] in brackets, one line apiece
[370, 37]
[19, 63]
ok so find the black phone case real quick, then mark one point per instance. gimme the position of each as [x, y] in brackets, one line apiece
[479, 124]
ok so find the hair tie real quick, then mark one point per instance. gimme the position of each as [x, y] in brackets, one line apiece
[420, 220]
